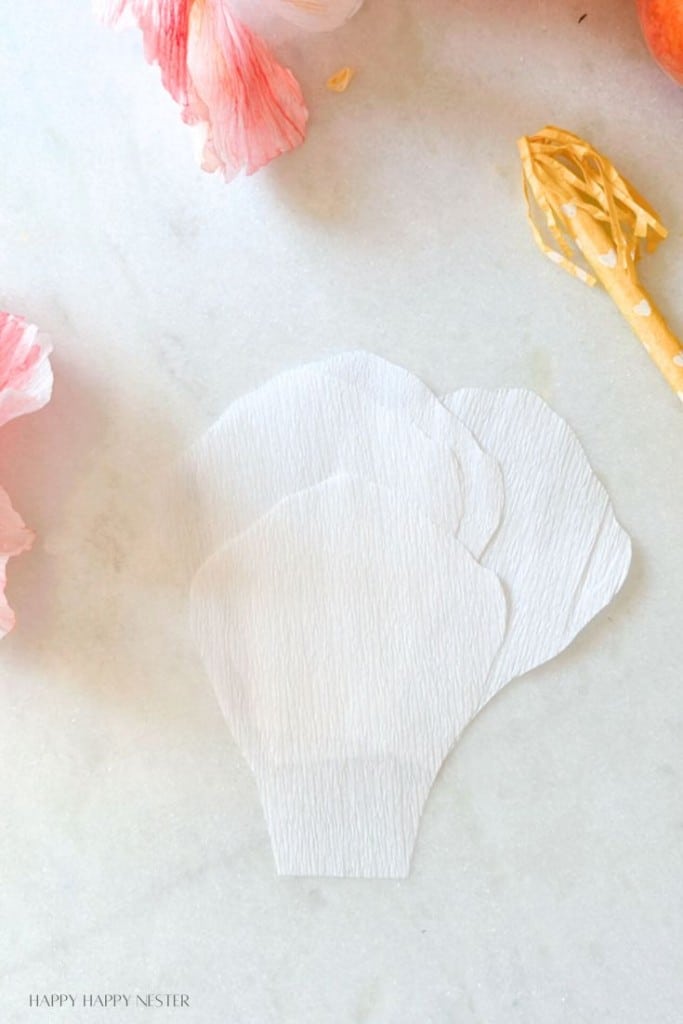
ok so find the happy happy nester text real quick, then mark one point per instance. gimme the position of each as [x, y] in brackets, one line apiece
[111, 1002]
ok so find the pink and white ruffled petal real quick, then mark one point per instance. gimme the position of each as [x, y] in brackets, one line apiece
[15, 537]
[164, 25]
[250, 107]
[25, 371]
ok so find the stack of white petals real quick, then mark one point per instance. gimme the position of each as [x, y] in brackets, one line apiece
[376, 565]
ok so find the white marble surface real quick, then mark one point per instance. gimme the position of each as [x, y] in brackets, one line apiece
[546, 886]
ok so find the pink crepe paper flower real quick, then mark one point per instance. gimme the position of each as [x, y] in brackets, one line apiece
[164, 25]
[248, 107]
[25, 386]
[15, 537]
[25, 372]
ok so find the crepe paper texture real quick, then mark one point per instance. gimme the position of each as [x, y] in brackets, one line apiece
[344, 678]
[340, 80]
[376, 565]
[297, 430]
[25, 386]
[582, 199]
[247, 107]
[392, 387]
[559, 551]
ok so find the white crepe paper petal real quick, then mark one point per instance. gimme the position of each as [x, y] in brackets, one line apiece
[391, 386]
[299, 429]
[347, 627]
[559, 551]
[347, 637]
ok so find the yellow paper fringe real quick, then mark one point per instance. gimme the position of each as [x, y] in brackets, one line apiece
[589, 209]
[563, 173]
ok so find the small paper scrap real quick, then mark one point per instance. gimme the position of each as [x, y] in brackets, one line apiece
[377, 564]
[339, 81]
